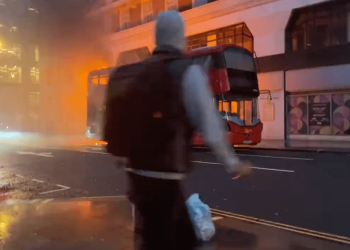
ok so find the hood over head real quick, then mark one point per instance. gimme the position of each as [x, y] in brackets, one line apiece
[170, 30]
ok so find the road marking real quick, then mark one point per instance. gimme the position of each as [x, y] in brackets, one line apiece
[278, 157]
[92, 152]
[38, 180]
[273, 169]
[102, 197]
[266, 169]
[217, 218]
[20, 176]
[274, 157]
[46, 201]
[34, 200]
[286, 227]
[37, 154]
[63, 188]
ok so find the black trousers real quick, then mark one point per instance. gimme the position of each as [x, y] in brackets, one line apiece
[161, 218]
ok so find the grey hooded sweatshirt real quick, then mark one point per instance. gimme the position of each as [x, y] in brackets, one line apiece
[197, 95]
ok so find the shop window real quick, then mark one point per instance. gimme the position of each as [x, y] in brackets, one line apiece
[236, 34]
[297, 115]
[321, 114]
[324, 25]
[341, 114]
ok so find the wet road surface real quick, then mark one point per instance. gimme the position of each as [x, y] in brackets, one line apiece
[106, 224]
[307, 190]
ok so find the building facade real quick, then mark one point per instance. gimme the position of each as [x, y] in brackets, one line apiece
[19, 66]
[302, 49]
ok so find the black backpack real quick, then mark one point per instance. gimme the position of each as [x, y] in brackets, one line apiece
[145, 115]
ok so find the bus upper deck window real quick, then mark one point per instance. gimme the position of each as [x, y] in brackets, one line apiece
[234, 107]
[94, 79]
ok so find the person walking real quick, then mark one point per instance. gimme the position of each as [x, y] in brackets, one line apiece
[173, 99]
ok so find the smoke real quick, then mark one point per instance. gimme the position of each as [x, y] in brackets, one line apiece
[71, 45]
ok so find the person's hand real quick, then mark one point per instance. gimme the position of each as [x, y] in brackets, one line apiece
[243, 169]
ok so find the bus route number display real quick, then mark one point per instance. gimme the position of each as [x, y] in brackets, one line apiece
[319, 114]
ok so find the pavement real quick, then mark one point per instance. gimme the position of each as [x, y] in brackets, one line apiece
[84, 224]
[302, 192]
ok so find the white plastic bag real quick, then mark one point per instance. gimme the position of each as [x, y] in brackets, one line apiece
[201, 218]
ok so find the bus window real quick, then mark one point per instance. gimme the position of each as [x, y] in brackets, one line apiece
[248, 113]
[241, 110]
[226, 106]
[103, 80]
[234, 107]
[94, 79]
[220, 106]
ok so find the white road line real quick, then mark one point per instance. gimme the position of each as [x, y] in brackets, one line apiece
[34, 200]
[217, 218]
[63, 188]
[92, 152]
[278, 157]
[38, 181]
[267, 169]
[272, 169]
[20, 176]
[101, 197]
[37, 154]
[209, 163]
[46, 201]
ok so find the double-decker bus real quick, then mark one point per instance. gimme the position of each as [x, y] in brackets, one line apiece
[233, 78]
[97, 84]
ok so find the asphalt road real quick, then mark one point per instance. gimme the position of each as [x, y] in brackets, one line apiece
[308, 190]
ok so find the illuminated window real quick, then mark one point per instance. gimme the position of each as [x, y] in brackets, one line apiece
[95, 79]
[35, 75]
[103, 80]
[241, 110]
[226, 106]
[125, 19]
[171, 4]
[13, 29]
[10, 74]
[37, 58]
[238, 34]
[234, 107]
[147, 11]
[220, 106]
[34, 99]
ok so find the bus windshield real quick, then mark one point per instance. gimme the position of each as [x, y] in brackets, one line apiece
[239, 59]
[244, 112]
